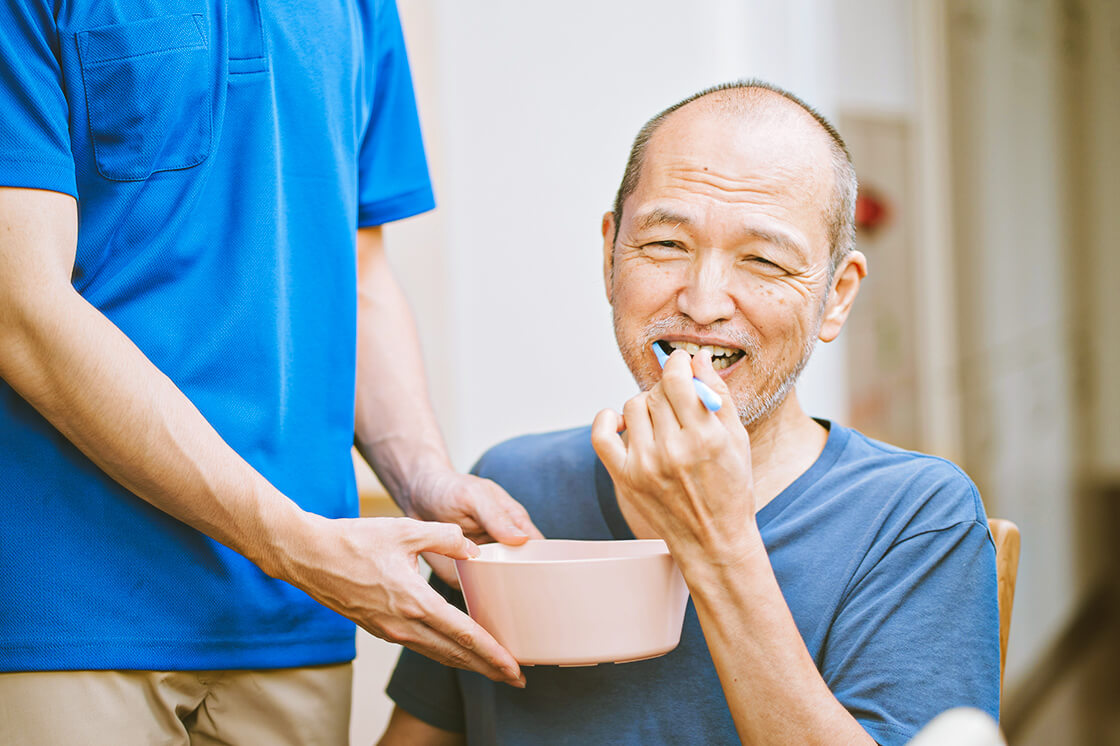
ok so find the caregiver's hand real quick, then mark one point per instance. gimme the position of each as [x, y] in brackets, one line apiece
[366, 569]
[685, 470]
[484, 510]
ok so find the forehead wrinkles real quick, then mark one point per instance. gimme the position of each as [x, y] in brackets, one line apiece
[722, 142]
[760, 184]
[732, 170]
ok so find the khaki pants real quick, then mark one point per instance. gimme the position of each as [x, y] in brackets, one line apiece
[297, 706]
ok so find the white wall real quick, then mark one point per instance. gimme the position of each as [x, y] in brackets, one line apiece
[875, 56]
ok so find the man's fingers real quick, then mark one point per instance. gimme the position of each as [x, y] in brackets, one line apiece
[428, 641]
[639, 428]
[503, 518]
[516, 514]
[702, 369]
[445, 651]
[443, 567]
[520, 518]
[469, 637]
[442, 538]
[607, 422]
[606, 440]
[664, 407]
[681, 389]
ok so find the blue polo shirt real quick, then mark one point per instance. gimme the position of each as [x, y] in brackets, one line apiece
[222, 156]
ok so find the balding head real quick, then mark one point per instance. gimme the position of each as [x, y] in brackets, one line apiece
[761, 107]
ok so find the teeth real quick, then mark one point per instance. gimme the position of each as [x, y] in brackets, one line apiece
[715, 351]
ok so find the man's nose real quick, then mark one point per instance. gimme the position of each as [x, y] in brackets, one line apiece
[706, 298]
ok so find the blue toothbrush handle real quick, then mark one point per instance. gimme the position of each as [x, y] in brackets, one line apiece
[710, 398]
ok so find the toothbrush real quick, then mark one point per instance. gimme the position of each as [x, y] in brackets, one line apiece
[710, 398]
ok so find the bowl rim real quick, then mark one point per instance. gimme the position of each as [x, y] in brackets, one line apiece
[576, 560]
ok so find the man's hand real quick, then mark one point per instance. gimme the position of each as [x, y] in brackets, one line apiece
[484, 510]
[366, 569]
[685, 470]
[688, 473]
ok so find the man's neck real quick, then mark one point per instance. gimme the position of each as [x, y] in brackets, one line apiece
[783, 447]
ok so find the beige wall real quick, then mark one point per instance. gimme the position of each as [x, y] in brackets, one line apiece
[1011, 259]
[1035, 157]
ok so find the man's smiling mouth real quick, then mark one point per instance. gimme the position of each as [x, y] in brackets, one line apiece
[722, 357]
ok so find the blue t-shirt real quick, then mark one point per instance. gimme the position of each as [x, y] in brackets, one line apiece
[883, 556]
[222, 156]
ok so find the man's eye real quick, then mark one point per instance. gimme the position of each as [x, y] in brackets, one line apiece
[763, 261]
[664, 245]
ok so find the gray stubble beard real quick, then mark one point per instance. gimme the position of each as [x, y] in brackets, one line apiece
[756, 408]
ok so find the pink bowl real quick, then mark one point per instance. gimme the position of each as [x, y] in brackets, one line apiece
[577, 603]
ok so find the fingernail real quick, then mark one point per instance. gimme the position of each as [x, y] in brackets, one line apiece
[519, 682]
[472, 549]
[515, 530]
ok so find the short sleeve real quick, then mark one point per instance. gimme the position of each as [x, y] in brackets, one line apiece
[919, 634]
[393, 181]
[34, 114]
[426, 689]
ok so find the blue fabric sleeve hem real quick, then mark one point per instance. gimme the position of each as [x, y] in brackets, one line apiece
[886, 735]
[419, 708]
[397, 207]
[175, 655]
[34, 174]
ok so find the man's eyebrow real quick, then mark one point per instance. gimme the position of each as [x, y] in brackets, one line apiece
[660, 216]
[780, 239]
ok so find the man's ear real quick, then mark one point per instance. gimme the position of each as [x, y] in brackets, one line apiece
[608, 252]
[845, 286]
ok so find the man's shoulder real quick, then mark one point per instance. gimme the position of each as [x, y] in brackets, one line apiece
[932, 490]
[559, 449]
[554, 476]
[865, 450]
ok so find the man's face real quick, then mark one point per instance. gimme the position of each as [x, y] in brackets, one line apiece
[724, 244]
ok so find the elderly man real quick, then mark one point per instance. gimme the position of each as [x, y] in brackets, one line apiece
[843, 590]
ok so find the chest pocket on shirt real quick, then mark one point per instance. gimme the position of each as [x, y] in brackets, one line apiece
[149, 92]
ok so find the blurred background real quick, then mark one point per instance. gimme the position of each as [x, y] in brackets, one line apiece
[984, 133]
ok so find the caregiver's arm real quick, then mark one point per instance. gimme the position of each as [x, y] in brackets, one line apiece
[688, 473]
[99, 390]
[396, 430]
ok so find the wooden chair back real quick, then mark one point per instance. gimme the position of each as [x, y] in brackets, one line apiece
[1006, 537]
